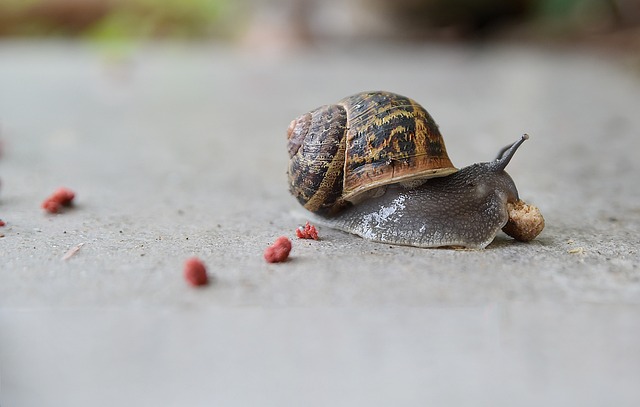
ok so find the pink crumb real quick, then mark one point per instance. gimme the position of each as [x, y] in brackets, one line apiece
[307, 232]
[195, 272]
[61, 197]
[279, 251]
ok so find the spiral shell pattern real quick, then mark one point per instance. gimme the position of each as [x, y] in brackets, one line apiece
[337, 152]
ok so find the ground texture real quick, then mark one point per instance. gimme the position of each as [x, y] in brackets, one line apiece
[179, 150]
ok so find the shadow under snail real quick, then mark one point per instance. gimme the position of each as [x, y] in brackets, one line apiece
[374, 164]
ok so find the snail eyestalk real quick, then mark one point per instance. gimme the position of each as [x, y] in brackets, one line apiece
[507, 153]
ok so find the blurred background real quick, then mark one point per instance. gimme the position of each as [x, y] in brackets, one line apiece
[271, 24]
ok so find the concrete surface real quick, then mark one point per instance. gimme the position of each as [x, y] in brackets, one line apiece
[178, 150]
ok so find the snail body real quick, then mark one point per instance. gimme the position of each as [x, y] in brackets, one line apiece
[375, 165]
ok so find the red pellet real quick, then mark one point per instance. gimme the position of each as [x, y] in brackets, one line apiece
[279, 251]
[195, 272]
[51, 206]
[307, 232]
[61, 197]
[2, 223]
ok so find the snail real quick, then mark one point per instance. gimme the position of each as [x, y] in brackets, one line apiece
[375, 165]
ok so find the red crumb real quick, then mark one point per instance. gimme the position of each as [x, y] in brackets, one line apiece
[307, 232]
[51, 206]
[279, 251]
[195, 272]
[2, 223]
[61, 197]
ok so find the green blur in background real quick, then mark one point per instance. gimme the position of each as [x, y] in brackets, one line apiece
[415, 20]
[111, 19]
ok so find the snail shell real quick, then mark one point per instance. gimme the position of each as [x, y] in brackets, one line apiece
[340, 152]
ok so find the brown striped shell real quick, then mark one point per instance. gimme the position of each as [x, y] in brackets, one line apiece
[365, 141]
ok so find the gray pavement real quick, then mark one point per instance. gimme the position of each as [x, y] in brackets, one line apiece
[179, 150]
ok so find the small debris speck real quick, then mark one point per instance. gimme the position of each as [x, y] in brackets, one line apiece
[72, 251]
